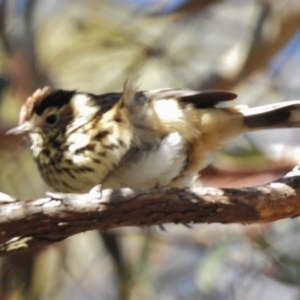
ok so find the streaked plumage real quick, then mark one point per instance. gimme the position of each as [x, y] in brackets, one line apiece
[135, 139]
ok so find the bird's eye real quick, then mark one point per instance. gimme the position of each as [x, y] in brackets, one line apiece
[52, 119]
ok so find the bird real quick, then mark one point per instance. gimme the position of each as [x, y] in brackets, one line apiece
[136, 139]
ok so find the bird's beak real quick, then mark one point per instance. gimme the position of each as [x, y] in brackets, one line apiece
[21, 129]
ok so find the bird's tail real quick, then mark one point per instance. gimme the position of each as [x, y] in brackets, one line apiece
[281, 115]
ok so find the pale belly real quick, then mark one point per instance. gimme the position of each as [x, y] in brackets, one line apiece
[155, 168]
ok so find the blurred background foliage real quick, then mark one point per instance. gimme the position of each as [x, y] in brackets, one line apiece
[251, 47]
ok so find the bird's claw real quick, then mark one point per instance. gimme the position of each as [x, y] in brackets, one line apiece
[96, 191]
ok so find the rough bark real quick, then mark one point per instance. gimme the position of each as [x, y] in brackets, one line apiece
[34, 223]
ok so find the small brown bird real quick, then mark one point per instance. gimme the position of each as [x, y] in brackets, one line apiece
[135, 138]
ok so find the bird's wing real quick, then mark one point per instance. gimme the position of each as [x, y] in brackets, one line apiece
[200, 99]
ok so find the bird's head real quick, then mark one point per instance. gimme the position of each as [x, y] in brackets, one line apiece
[50, 116]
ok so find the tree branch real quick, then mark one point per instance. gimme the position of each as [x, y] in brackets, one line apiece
[276, 24]
[35, 223]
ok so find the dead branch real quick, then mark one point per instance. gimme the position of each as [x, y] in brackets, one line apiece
[40, 222]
